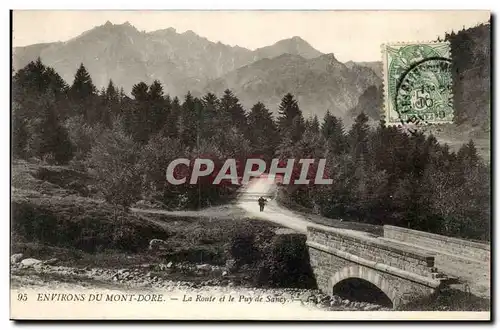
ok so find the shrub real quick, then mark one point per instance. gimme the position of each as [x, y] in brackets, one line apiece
[287, 264]
[114, 161]
[243, 249]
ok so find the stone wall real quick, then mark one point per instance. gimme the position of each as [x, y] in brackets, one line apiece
[452, 245]
[373, 249]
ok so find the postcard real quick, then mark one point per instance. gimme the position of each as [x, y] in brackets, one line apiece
[250, 165]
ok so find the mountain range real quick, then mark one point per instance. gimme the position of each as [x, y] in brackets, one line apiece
[188, 62]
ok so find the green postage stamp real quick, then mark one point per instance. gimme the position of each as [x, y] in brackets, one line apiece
[418, 84]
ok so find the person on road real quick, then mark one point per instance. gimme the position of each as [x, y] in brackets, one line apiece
[262, 202]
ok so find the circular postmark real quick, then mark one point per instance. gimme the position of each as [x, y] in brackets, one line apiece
[423, 93]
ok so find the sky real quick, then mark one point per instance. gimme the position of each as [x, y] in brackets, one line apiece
[350, 35]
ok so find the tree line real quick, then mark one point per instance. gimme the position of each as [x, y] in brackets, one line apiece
[380, 175]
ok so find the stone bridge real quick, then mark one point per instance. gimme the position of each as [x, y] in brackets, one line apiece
[392, 270]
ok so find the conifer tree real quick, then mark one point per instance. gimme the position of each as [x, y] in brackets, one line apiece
[82, 87]
[358, 137]
[232, 112]
[138, 122]
[332, 131]
[112, 94]
[264, 136]
[290, 119]
[48, 137]
[158, 109]
[189, 121]
[210, 118]
[171, 127]
[83, 95]
[315, 125]
[140, 92]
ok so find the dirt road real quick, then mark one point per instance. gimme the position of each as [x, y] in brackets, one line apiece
[475, 274]
[246, 205]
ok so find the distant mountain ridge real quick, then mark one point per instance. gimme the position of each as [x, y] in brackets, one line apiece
[319, 84]
[188, 62]
[181, 61]
[376, 66]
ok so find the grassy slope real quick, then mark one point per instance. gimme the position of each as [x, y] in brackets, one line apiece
[55, 215]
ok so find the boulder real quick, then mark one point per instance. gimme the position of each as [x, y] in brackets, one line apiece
[157, 244]
[15, 258]
[30, 262]
[162, 267]
[204, 267]
[335, 300]
[52, 261]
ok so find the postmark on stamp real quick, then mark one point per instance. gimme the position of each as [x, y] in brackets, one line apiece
[418, 84]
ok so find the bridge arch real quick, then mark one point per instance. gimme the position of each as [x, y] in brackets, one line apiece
[367, 274]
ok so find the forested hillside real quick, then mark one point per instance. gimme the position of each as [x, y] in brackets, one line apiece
[381, 175]
[471, 54]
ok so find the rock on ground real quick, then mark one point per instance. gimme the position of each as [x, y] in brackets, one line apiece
[29, 262]
[15, 258]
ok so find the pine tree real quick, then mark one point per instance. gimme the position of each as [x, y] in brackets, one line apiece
[83, 95]
[112, 102]
[158, 109]
[210, 118]
[82, 87]
[48, 138]
[232, 112]
[35, 88]
[112, 94]
[290, 119]
[104, 110]
[332, 131]
[312, 144]
[264, 136]
[138, 123]
[36, 78]
[358, 137]
[315, 125]
[189, 121]
[140, 92]
[467, 154]
[171, 127]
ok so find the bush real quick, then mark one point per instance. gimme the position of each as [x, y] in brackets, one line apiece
[114, 162]
[243, 249]
[287, 264]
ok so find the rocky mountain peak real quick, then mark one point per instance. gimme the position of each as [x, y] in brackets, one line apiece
[294, 45]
